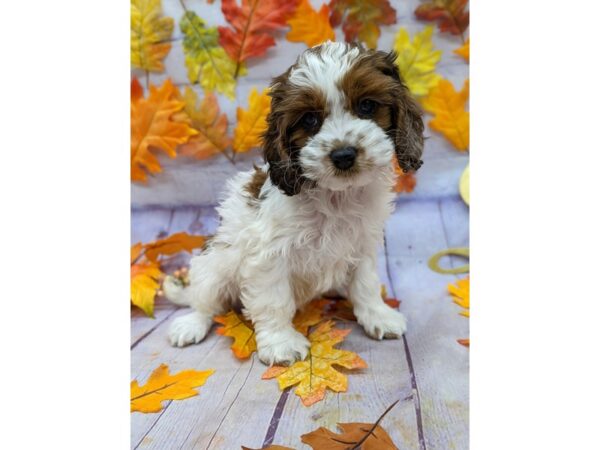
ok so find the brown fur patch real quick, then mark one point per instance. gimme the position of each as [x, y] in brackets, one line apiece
[255, 184]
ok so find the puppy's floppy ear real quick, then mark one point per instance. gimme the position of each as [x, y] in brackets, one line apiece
[407, 123]
[284, 170]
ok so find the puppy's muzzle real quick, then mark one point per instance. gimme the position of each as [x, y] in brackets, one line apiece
[343, 158]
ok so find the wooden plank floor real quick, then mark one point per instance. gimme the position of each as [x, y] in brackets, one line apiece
[427, 370]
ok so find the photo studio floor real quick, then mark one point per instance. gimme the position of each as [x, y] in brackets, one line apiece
[427, 370]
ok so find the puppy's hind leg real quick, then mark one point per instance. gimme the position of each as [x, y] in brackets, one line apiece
[208, 293]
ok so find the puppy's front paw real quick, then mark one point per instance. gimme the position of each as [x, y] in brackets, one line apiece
[188, 329]
[382, 322]
[283, 347]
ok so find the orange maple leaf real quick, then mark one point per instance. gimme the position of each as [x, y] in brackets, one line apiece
[145, 278]
[251, 123]
[242, 332]
[175, 243]
[362, 18]
[463, 51]
[251, 26]
[316, 374]
[309, 26]
[153, 127]
[210, 124]
[405, 181]
[465, 342]
[137, 91]
[449, 14]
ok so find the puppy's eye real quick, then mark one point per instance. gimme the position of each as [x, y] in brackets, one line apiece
[367, 107]
[310, 120]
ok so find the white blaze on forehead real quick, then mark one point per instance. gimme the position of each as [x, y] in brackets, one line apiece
[324, 68]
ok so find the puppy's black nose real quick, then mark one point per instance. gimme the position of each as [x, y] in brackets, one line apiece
[343, 158]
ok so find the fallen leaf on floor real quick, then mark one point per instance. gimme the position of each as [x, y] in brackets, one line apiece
[460, 294]
[417, 60]
[207, 61]
[251, 123]
[361, 19]
[405, 181]
[450, 117]
[211, 125]
[363, 436]
[343, 309]
[449, 14]
[309, 26]
[242, 332]
[463, 51]
[170, 245]
[153, 128]
[465, 342]
[310, 315]
[145, 282]
[161, 387]
[314, 375]
[251, 27]
[150, 35]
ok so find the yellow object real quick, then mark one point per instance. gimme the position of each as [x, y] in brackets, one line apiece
[463, 186]
[161, 386]
[309, 26]
[316, 374]
[152, 126]
[460, 294]
[242, 332]
[434, 261]
[175, 243]
[463, 51]
[144, 281]
[417, 60]
[207, 62]
[450, 117]
[251, 123]
[206, 118]
[150, 34]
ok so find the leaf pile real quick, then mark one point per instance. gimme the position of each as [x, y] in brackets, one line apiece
[161, 387]
[361, 19]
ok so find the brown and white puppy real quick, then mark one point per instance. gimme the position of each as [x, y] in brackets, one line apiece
[310, 220]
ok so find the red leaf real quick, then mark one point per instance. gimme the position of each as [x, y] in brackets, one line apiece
[449, 14]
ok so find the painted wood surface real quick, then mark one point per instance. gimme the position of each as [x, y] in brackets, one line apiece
[427, 371]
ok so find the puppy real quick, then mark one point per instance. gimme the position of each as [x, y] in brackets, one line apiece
[310, 220]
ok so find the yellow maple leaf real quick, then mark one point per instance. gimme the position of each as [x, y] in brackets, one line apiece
[251, 123]
[175, 243]
[150, 34]
[208, 63]
[235, 326]
[211, 125]
[152, 127]
[309, 26]
[450, 117]
[144, 281]
[463, 51]
[460, 294]
[161, 386]
[417, 60]
[315, 374]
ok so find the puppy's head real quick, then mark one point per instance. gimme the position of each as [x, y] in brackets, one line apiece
[337, 117]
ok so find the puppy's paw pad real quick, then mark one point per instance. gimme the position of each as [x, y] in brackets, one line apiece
[188, 329]
[283, 348]
[383, 323]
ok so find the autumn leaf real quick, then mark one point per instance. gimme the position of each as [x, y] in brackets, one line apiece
[251, 123]
[463, 51]
[161, 387]
[417, 60]
[152, 127]
[145, 278]
[206, 61]
[137, 91]
[315, 374]
[175, 243]
[465, 342]
[242, 332]
[150, 34]
[450, 117]
[405, 181]
[460, 294]
[309, 26]
[449, 14]
[361, 19]
[251, 28]
[363, 436]
[342, 309]
[210, 124]
[310, 315]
